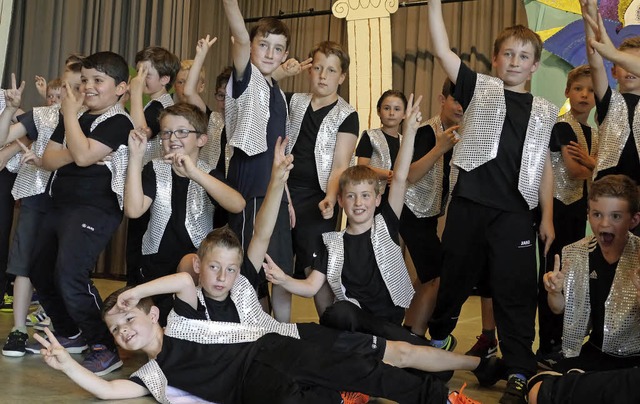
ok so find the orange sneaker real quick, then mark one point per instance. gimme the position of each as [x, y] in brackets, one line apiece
[350, 397]
[456, 397]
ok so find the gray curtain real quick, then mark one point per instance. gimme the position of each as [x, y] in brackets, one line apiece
[45, 32]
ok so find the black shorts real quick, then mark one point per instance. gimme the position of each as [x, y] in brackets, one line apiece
[343, 341]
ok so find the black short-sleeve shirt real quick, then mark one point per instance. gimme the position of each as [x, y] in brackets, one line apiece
[365, 148]
[151, 115]
[29, 124]
[250, 175]
[495, 183]
[305, 172]
[361, 275]
[629, 163]
[600, 281]
[176, 241]
[425, 141]
[75, 185]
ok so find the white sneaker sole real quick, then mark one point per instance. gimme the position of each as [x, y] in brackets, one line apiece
[110, 369]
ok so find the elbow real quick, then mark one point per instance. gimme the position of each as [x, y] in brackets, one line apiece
[131, 212]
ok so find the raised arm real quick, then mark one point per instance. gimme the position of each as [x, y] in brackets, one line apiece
[58, 358]
[136, 90]
[191, 85]
[83, 150]
[241, 44]
[291, 68]
[266, 218]
[302, 287]
[403, 161]
[136, 203]
[181, 284]
[440, 41]
[545, 196]
[598, 71]
[603, 45]
[13, 98]
[444, 142]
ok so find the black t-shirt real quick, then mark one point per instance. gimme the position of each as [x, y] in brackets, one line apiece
[305, 172]
[250, 175]
[29, 124]
[600, 281]
[629, 164]
[561, 135]
[75, 185]
[365, 148]
[425, 141]
[221, 166]
[151, 115]
[209, 371]
[361, 275]
[495, 183]
[175, 242]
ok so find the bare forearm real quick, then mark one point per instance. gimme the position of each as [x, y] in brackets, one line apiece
[191, 85]
[230, 199]
[556, 302]
[56, 158]
[133, 191]
[421, 167]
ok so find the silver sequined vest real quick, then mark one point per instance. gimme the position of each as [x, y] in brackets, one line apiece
[154, 146]
[32, 180]
[566, 189]
[482, 125]
[212, 150]
[381, 156]
[424, 197]
[199, 217]
[622, 313]
[388, 256]
[327, 133]
[614, 132]
[246, 117]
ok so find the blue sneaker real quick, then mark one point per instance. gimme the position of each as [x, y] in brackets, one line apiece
[101, 360]
[72, 345]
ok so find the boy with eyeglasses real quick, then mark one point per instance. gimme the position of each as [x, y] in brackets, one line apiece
[181, 192]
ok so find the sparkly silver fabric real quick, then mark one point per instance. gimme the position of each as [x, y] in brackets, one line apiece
[622, 312]
[211, 151]
[199, 218]
[13, 165]
[154, 146]
[566, 189]
[388, 257]
[482, 126]
[254, 322]
[424, 197]
[154, 380]
[381, 156]
[327, 133]
[246, 117]
[614, 132]
[32, 180]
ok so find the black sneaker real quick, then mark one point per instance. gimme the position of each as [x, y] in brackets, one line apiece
[516, 391]
[449, 343]
[16, 344]
[484, 347]
[548, 361]
[490, 371]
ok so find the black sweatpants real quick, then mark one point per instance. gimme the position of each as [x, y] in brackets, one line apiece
[614, 386]
[70, 240]
[6, 220]
[286, 370]
[483, 241]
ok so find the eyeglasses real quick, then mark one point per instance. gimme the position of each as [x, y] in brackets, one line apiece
[220, 96]
[180, 133]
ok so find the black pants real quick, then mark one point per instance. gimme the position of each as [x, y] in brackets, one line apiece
[287, 370]
[592, 358]
[70, 240]
[614, 386]
[482, 241]
[6, 220]
[135, 230]
[420, 235]
[346, 316]
[569, 227]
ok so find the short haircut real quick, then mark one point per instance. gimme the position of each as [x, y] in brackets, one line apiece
[523, 35]
[110, 302]
[194, 115]
[447, 88]
[332, 48]
[577, 73]
[269, 25]
[630, 43]
[73, 63]
[54, 84]
[391, 93]
[165, 62]
[356, 175]
[222, 237]
[186, 64]
[109, 63]
[617, 186]
[224, 77]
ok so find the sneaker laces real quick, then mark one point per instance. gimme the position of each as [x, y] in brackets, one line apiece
[457, 397]
[351, 397]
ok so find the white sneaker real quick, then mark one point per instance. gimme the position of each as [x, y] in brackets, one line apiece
[38, 319]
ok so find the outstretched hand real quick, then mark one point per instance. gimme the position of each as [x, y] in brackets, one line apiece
[41, 86]
[273, 273]
[554, 280]
[13, 95]
[53, 353]
[282, 163]
[413, 116]
[71, 104]
[292, 67]
[204, 44]
[137, 143]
